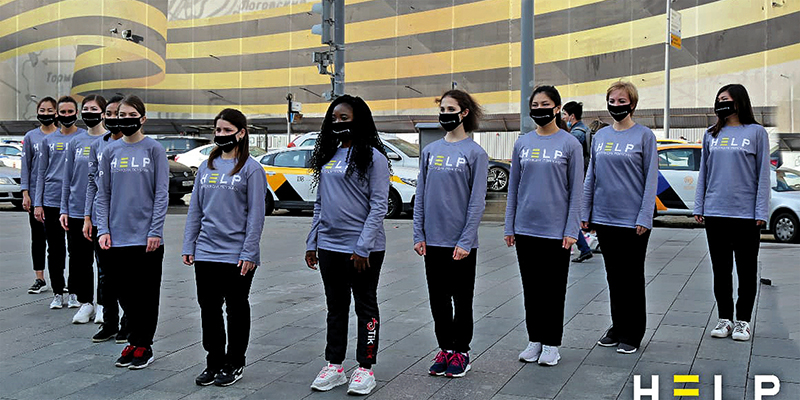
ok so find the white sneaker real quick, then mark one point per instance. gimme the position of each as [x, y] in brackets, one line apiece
[362, 382]
[723, 329]
[84, 314]
[58, 302]
[549, 356]
[73, 301]
[741, 331]
[329, 377]
[98, 314]
[531, 353]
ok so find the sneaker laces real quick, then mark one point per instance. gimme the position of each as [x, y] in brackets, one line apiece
[531, 346]
[325, 370]
[441, 358]
[128, 350]
[139, 352]
[360, 374]
[546, 350]
[740, 327]
[721, 324]
[458, 359]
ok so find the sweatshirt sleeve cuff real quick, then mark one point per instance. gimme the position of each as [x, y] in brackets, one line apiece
[361, 252]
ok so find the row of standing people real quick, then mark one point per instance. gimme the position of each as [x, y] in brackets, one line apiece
[549, 202]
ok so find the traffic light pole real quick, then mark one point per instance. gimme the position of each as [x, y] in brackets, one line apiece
[338, 44]
[526, 67]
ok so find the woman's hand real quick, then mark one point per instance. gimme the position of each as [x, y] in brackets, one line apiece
[64, 220]
[311, 259]
[87, 228]
[640, 230]
[420, 248]
[38, 213]
[699, 219]
[510, 240]
[105, 241]
[585, 225]
[761, 222]
[361, 263]
[153, 243]
[26, 201]
[188, 259]
[568, 242]
[460, 254]
[246, 266]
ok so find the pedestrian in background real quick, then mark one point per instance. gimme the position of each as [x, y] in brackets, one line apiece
[572, 114]
[448, 206]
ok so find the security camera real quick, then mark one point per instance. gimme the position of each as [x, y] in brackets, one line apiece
[113, 31]
[127, 34]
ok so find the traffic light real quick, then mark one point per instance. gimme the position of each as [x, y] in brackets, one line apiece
[324, 29]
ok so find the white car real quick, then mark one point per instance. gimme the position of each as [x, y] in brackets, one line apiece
[194, 157]
[11, 155]
[289, 182]
[679, 167]
[10, 191]
[400, 152]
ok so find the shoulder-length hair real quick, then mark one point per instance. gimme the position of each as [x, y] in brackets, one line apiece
[741, 101]
[237, 119]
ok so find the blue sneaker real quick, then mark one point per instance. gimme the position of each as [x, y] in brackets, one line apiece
[440, 363]
[458, 365]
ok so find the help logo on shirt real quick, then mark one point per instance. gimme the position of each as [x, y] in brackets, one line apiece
[542, 155]
[615, 148]
[335, 166]
[60, 146]
[130, 164]
[82, 152]
[217, 180]
[445, 163]
[729, 143]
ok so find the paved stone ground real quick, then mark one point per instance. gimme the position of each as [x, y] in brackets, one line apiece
[44, 356]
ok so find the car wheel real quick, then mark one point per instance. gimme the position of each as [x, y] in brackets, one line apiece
[395, 204]
[269, 204]
[785, 227]
[497, 179]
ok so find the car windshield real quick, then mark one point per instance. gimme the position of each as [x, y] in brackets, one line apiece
[787, 180]
[410, 149]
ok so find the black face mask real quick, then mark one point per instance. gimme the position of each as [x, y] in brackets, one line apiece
[227, 142]
[112, 124]
[129, 126]
[724, 109]
[91, 119]
[342, 130]
[619, 112]
[450, 121]
[543, 116]
[67, 120]
[46, 119]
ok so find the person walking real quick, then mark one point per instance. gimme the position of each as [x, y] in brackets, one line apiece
[572, 114]
[448, 206]
[732, 199]
[221, 238]
[619, 200]
[543, 221]
[347, 240]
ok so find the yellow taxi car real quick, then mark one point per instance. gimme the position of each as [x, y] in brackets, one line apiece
[678, 168]
[289, 182]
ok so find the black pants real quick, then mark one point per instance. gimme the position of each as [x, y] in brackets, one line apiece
[219, 283]
[136, 274]
[106, 292]
[56, 248]
[544, 268]
[451, 288]
[340, 278]
[38, 242]
[729, 238]
[623, 255]
[81, 258]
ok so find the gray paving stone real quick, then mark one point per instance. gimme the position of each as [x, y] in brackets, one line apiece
[65, 384]
[545, 382]
[784, 368]
[478, 386]
[673, 353]
[410, 387]
[733, 374]
[686, 318]
[148, 394]
[678, 334]
[788, 391]
[776, 347]
[595, 382]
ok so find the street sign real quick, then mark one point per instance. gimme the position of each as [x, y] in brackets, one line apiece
[675, 29]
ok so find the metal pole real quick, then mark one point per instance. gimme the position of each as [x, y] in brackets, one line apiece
[666, 72]
[289, 98]
[791, 99]
[338, 43]
[527, 66]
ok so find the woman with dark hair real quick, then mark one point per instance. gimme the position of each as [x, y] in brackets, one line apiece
[221, 239]
[449, 204]
[619, 197]
[31, 153]
[543, 221]
[732, 198]
[351, 172]
[73, 201]
[49, 182]
[132, 196]
[107, 311]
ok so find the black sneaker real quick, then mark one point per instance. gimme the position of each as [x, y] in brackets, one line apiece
[626, 349]
[206, 377]
[106, 332]
[122, 336]
[39, 286]
[142, 357]
[608, 341]
[458, 365]
[583, 257]
[228, 375]
[126, 358]
[440, 363]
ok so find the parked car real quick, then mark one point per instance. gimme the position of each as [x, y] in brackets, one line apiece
[679, 167]
[405, 154]
[175, 145]
[194, 157]
[289, 182]
[10, 191]
[11, 155]
[181, 180]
